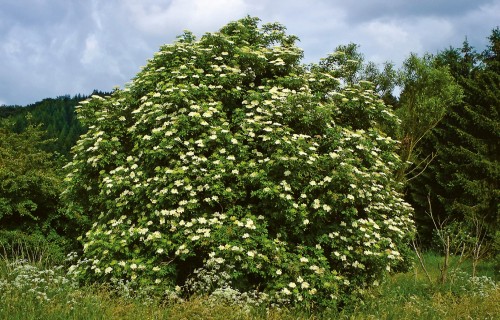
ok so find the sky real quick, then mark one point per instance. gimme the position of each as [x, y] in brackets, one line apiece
[50, 48]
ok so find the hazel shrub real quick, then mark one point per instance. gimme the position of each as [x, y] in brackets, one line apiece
[226, 157]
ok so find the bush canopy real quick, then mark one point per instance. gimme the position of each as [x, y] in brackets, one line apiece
[227, 164]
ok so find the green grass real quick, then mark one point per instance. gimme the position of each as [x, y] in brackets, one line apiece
[31, 290]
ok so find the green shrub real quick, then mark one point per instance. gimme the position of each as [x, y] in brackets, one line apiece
[226, 166]
[30, 180]
[34, 247]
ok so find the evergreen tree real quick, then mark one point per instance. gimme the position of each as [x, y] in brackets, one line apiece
[56, 116]
[463, 181]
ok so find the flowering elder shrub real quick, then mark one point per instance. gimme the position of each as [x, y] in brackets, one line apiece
[227, 164]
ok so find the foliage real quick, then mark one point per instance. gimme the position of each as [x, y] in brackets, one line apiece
[462, 181]
[349, 66]
[30, 185]
[427, 92]
[31, 290]
[35, 246]
[30, 181]
[56, 117]
[225, 154]
[37, 283]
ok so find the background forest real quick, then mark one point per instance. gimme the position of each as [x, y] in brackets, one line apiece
[449, 135]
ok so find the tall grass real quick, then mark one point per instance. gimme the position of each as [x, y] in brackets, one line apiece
[32, 288]
[412, 296]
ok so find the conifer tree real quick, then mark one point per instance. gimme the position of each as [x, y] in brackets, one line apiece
[463, 181]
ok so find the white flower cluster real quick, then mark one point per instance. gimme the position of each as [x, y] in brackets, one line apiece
[42, 284]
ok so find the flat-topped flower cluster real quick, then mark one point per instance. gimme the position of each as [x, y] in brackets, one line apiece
[226, 153]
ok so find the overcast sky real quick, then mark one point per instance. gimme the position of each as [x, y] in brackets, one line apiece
[50, 48]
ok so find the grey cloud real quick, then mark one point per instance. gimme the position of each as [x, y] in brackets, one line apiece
[397, 9]
[55, 47]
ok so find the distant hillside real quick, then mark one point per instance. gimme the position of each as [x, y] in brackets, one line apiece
[56, 115]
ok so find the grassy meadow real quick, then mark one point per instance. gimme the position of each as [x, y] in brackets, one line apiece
[33, 287]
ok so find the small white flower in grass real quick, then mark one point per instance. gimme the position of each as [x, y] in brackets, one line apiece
[304, 260]
[312, 291]
[156, 268]
[133, 266]
[246, 235]
[108, 270]
[304, 285]
[157, 281]
[251, 254]
[292, 285]
[305, 222]
[159, 251]
[278, 272]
